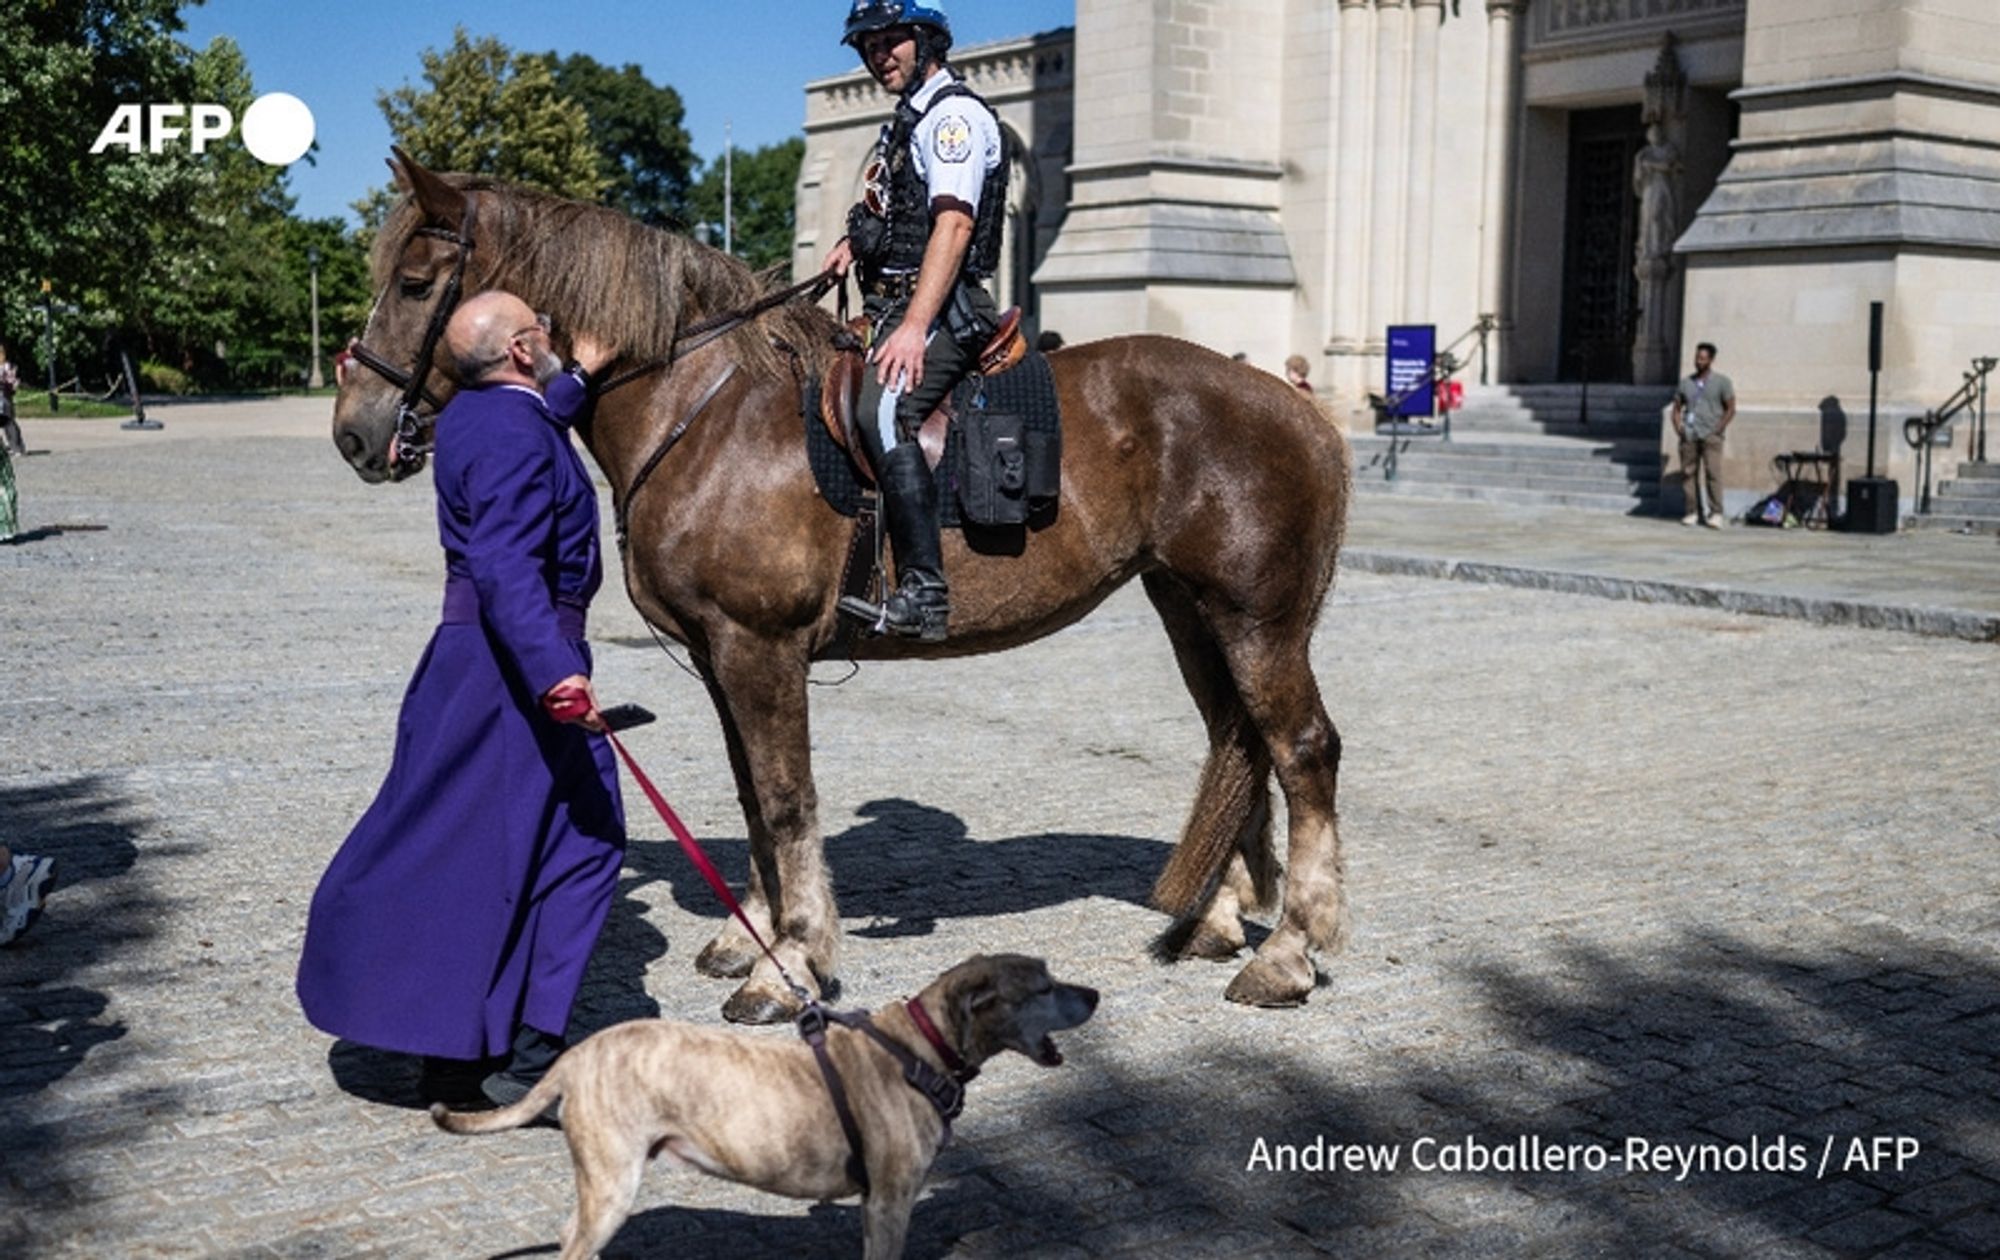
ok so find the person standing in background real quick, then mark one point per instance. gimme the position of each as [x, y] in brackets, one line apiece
[10, 381]
[1704, 408]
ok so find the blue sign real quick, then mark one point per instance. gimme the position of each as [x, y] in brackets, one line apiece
[1412, 354]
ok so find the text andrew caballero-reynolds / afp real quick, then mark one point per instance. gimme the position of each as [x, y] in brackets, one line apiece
[1533, 1153]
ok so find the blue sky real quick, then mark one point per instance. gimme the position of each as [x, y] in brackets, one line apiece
[740, 62]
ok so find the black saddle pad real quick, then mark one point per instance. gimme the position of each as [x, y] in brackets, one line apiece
[1027, 390]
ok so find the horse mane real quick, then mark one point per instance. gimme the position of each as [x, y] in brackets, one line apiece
[594, 270]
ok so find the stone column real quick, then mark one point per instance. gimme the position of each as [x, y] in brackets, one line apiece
[1494, 234]
[1177, 182]
[1385, 220]
[1426, 18]
[1350, 189]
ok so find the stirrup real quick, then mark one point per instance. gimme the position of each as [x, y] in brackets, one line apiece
[906, 612]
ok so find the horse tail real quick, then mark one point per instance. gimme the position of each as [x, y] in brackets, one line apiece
[1232, 803]
[1234, 784]
[544, 1095]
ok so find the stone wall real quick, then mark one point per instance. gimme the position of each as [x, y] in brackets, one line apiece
[1868, 169]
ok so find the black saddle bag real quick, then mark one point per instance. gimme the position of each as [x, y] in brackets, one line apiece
[1005, 472]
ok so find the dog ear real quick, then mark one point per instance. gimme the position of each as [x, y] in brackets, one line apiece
[974, 1000]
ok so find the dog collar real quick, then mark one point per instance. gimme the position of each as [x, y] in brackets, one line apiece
[952, 1060]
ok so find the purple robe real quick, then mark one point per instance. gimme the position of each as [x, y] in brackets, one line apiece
[468, 898]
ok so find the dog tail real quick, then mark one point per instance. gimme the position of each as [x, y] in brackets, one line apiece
[541, 1098]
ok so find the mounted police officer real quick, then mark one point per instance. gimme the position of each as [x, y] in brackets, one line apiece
[925, 234]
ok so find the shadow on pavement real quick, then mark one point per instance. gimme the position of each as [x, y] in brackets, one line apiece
[912, 865]
[1711, 1046]
[48, 1020]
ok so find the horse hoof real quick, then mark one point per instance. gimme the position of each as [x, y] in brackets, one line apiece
[1264, 982]
[1211, 946]
[724, 962]
[751, 1005]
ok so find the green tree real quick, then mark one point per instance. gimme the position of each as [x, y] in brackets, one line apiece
[765, 196]
[81, 221]
[190, 261]
[214, 300]
[489, 111]
[643, 150]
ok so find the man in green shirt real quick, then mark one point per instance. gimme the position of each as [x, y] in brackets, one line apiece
[1704, 408]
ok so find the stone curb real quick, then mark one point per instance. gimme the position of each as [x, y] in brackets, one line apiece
[1950, 623]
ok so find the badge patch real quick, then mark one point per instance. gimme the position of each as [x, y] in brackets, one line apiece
[954, 139]
[875, 187]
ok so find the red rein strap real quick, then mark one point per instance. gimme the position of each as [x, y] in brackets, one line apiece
[569, 705]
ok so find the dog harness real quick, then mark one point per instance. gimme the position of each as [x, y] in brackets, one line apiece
[945, 1093]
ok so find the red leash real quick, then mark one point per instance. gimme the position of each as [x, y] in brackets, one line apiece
[945, 1093]
[567, 706]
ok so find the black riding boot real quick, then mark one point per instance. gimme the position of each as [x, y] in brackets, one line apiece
[919, 604]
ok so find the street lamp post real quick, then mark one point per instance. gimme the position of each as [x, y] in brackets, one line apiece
[315, 380]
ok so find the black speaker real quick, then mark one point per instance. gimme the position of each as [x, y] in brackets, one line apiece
[1874, 336]
[1871, 506]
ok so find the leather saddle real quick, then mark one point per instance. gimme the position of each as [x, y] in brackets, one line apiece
[840, 391]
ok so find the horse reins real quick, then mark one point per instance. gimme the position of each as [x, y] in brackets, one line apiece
[711, 329]
[687, 343]
[411, 449]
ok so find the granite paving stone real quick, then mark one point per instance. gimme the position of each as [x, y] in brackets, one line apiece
[1703, 866]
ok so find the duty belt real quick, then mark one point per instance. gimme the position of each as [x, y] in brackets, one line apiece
[894, 286]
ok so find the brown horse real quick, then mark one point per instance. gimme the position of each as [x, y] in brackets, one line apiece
[1214, 483]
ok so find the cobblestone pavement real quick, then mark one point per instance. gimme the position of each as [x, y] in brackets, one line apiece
[1619, 873]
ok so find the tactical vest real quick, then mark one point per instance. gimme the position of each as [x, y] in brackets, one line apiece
[896, 241]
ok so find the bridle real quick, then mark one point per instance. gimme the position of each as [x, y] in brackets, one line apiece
[412, 448]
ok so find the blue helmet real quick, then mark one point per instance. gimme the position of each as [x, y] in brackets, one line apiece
[878, 15]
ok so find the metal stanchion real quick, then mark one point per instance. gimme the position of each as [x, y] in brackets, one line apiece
[138, 420]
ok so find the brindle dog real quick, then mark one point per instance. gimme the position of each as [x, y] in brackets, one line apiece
[756, 1110]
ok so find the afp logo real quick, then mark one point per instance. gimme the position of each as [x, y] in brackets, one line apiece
[277, 128]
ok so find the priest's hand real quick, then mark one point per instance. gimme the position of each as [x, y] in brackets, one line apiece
[573, 700]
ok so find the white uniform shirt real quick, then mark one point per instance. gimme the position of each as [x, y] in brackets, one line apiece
[955, 144]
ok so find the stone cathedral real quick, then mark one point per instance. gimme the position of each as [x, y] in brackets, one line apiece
[1600, 184]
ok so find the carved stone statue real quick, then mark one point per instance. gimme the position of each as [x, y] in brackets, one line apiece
[1656, 177]
[1656, 181]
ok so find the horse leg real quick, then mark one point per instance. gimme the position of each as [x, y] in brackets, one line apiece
[1248, 884]
[764, 685]
[1232, 807]
[1275, 680]
[732, 953]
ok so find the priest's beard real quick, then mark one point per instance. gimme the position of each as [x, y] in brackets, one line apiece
[547, 367]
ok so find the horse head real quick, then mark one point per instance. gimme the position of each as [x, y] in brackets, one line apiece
[391, 385]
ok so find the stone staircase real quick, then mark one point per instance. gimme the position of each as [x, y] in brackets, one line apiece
[1532, 444]
[1969, 503]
